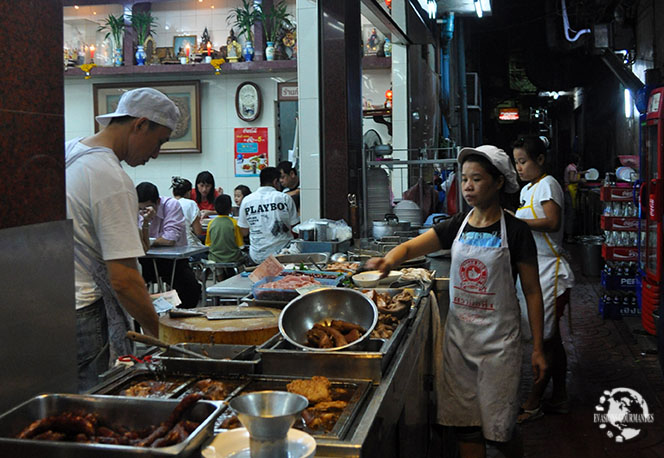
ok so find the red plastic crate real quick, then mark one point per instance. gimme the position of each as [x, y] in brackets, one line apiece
[620, 253]
[616, 194]
[619, 223]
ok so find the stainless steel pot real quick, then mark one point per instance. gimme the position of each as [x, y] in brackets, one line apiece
[389, 226]
[308, 235]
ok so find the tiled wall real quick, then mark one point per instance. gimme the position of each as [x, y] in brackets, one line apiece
[218, 119]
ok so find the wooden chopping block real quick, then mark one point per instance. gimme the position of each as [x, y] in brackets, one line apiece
[198, 329]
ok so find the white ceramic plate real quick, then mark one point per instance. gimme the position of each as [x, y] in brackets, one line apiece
[235, 444]
[625, 173]
[592, 174]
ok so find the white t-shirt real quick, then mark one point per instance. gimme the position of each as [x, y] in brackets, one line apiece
[269, 216]
[544, 190]
[103, 205]
[191, 212]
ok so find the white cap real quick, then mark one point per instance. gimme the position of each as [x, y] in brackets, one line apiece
[499, 159]
[145, 102]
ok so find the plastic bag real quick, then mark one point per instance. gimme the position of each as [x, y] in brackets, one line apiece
[336, 230]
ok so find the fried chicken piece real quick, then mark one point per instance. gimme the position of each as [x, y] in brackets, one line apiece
[330, 406]
[315, 390]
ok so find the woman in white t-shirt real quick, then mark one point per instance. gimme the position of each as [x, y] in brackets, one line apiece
[192, 215]
[541, 207]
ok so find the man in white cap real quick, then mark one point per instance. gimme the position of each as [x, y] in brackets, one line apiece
[102, 203]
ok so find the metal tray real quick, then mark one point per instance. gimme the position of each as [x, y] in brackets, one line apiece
[226, 359]
[282, 358]
[116, 385]
[133, 413]
[357, 392]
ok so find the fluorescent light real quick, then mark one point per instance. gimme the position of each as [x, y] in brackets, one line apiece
[432, 8]
[628, 104]
[478, 8]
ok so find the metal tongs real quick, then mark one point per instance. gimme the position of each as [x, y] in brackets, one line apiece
[149, 340]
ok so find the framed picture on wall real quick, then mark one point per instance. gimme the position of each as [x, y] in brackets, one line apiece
[180, 44]
[186, 138]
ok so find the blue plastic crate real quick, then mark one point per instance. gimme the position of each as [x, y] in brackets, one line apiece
[272, 294]
[615, 282]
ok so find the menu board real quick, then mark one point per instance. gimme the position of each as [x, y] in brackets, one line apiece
[250, 151]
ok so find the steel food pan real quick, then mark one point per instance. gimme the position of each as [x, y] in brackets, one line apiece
[234, 384]
[116, 386]
[132, 413]
[280, 357]
[352, 391]
[226, 359]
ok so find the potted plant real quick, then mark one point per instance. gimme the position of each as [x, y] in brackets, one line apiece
[244, 17]
[114, 26]
[274, 19]
[143, 22]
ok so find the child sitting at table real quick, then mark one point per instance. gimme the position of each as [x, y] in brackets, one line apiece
[223, 235]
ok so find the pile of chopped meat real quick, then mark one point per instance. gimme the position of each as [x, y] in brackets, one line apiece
[213, 390]
[337, 333]
[149, 389]
[342, 266]
[84, 427]
[291, 282]
[390, 311]
[385, 327]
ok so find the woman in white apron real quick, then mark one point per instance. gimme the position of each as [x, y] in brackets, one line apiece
[541, 207]
[477, 391]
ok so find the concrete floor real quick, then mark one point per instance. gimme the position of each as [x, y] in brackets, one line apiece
[602, 355]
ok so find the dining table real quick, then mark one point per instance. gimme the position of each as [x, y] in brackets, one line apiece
[174, 253]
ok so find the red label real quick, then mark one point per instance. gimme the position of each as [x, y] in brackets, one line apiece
[473, 275]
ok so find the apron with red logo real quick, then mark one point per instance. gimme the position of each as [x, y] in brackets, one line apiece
[481, 348]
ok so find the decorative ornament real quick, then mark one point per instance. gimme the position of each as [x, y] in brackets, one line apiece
[216, 63]
[86, 68]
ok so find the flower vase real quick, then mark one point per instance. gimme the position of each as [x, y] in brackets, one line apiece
[269, 51]
[140, 55]
[117, 57]
[248, 52]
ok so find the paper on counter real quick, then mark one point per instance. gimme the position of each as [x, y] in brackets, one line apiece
[271, 267]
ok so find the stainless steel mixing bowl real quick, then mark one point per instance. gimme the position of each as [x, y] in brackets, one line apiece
[323, 305]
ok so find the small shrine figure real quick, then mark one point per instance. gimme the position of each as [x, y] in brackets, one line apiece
[205, 39]
[289, 42]
[372, 41]
[233, 48]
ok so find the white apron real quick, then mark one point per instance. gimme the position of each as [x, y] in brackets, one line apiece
[554, 271]
[482, 344]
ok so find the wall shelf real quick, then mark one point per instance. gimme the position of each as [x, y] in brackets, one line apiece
[191, 69]
[375, 62]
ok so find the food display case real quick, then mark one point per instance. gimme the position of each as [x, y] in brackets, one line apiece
[370, 381]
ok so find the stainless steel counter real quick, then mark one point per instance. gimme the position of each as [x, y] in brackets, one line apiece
[394, 422]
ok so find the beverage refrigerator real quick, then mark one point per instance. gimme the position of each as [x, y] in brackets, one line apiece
[651, 208]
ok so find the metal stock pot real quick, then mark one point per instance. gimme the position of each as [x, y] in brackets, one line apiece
[388, 226]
